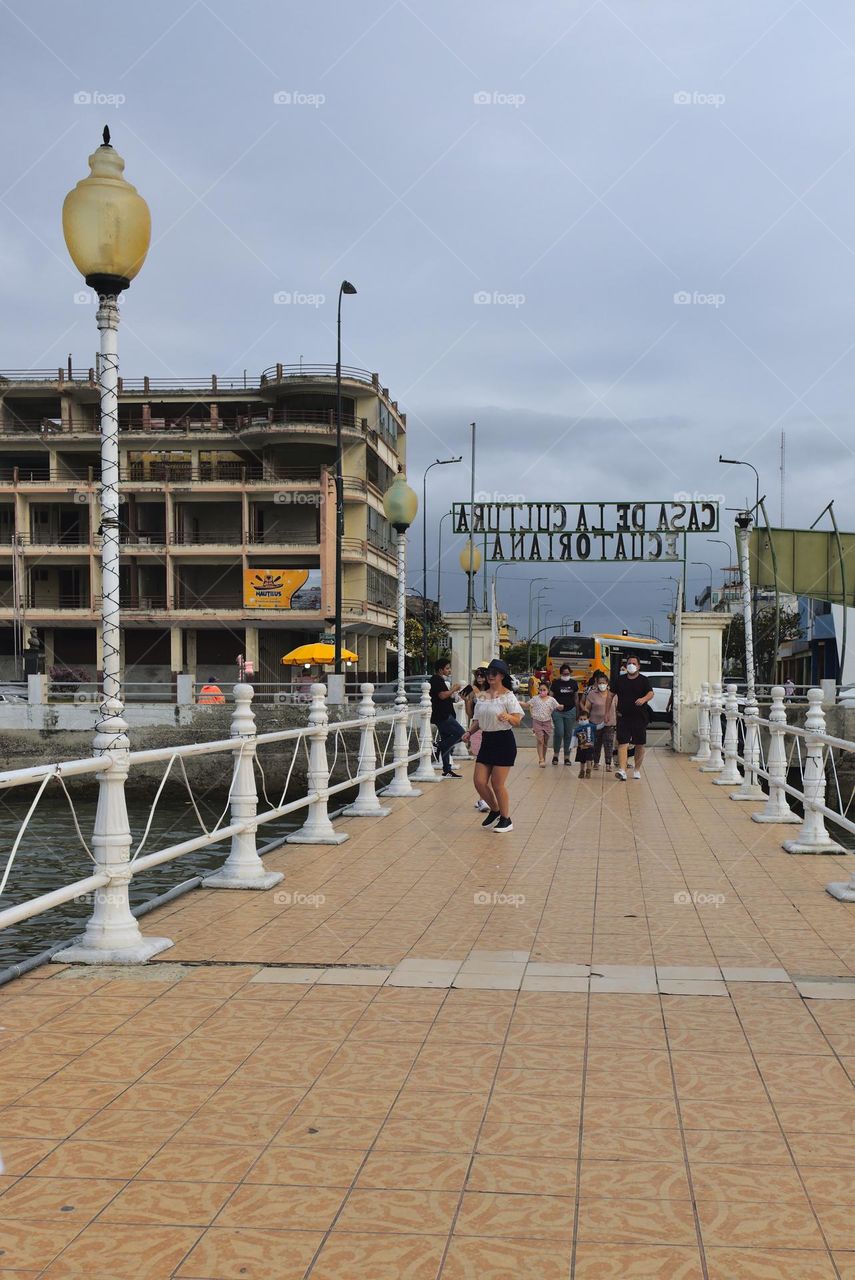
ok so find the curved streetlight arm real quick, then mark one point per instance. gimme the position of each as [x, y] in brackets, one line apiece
[439, 462]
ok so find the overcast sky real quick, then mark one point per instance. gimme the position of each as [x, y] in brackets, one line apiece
[585, 165]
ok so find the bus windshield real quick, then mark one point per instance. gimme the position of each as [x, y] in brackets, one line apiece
[571, 647]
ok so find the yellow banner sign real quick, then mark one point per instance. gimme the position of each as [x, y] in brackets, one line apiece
[272, 588]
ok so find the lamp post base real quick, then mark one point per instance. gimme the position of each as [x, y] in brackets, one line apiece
[842, 890]
[237, 879]
[812, 846]
[793, 820]
[400, 790]
[138, 953]
[364, 810]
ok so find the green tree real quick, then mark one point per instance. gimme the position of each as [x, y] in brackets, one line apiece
[438, 641]
[733, 647]
[517, 655]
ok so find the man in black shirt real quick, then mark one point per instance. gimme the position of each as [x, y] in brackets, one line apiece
[442, 715]
[565, 691]
[633, 691]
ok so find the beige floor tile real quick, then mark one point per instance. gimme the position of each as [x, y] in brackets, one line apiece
[753, 1224]
[770, 1264]
[625, 1221]
[637, 1262]
[251, 1254]
[502, 1259]
[378, 1256]
[134, 1252]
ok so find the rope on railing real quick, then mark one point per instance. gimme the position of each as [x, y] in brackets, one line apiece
[20, 834]
[61, 782]
[153, 807]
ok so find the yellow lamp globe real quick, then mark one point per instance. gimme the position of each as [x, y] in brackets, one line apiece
[470, 558]
[106, 224]
[400, 504]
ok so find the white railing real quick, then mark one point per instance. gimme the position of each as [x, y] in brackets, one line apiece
[389, 742]
[809, 749]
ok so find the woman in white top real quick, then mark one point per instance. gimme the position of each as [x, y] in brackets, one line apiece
[497, 713]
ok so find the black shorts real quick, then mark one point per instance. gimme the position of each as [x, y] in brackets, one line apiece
[499, 748]
[632, 729]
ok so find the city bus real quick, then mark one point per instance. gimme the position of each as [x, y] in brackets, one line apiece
[587, 654]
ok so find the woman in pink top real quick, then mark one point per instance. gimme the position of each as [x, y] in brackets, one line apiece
[600, 703]
[540, 708]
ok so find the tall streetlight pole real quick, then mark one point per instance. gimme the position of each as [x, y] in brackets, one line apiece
[737, 462]
[539, 595]
[443, 519]
[345, 287]
[540, 578]
[107, 229]
[708, 566]
[400, 505]
[440, 462]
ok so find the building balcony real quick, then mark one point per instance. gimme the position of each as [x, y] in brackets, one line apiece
[218, 474]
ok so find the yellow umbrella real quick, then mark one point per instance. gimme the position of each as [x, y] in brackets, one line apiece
[319, 654]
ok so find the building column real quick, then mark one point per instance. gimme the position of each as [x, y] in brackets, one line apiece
[251, 647]
[191, 650]
[176, 656]
[698, 659]
[50, 648]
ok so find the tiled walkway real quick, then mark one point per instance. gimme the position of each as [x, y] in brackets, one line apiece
[618, 1042]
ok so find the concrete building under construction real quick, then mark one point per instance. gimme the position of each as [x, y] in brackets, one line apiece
[227, 516]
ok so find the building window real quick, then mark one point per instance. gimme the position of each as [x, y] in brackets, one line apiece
[382, 589]
[379, 530]
[387, 425]
[376, 472]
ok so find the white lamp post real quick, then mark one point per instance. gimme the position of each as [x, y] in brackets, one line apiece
[400, 505]
[107, 228]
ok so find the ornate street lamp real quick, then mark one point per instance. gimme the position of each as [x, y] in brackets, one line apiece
[107, 228]
[345, 287]
[400, 505]
[470, 563]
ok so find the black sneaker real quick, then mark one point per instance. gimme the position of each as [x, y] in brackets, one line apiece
[449, 773]
[503, 825]
[555, 759]
[492, 816]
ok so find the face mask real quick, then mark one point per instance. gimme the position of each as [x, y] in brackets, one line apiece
[602, 687]
[631, 669]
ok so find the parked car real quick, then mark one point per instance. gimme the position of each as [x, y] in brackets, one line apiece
[12, 696]
[662, 683]
[388, 691]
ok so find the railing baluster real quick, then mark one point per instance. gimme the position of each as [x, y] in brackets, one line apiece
[750, 788]
[776, 808]
[112, 934]
[703, 752]
[243, 869]
[318, 829]
[400, 786]
[715, 763]
[813, 837]
[366, 804]
[425, 771]
[729, 776]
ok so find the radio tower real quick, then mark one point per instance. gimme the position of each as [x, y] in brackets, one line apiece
[783, 467]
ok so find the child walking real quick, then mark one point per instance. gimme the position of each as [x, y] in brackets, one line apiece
[583, 736]
[540, 708]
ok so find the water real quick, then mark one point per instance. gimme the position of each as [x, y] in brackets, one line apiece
[51, 855]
